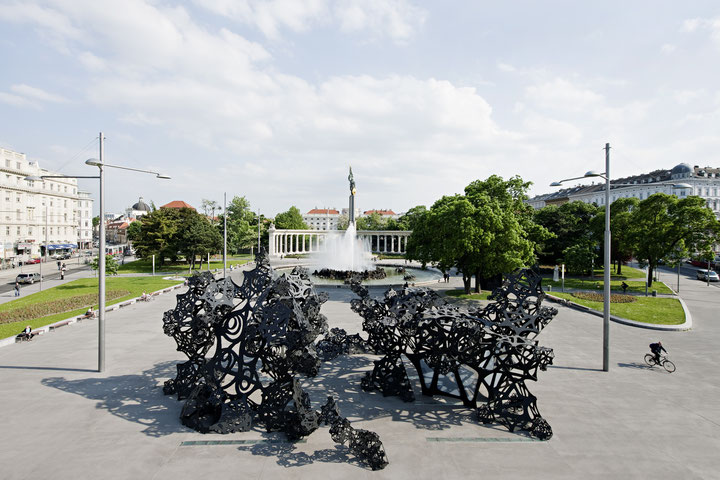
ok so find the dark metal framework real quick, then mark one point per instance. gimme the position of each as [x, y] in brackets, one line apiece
[264, 334]
[481, 356]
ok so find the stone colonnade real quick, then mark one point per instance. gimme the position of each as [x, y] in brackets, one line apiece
[289, 242]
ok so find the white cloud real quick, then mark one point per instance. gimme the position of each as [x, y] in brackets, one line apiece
[699, 24]
[396, 19]
[560, 94]
[37, 94]
[668, 49]
[17, 101]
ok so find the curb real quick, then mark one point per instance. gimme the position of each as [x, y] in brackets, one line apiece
[687, 325]
[70, 320]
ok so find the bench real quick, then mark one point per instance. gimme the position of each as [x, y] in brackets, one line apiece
[60, 324]
[22, 337]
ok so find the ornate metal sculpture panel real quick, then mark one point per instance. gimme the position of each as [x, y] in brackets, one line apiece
[263, 333]
[478, 356]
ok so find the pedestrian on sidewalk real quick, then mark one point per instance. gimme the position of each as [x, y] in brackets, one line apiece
[17, 289]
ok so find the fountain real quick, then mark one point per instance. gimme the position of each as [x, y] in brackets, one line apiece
[345, 254]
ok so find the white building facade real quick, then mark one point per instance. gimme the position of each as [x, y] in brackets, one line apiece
[84, 216]
[322, 219]
[704, 182]
[36, 213]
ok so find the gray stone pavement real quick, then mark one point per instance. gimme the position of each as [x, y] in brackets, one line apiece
[60, 419]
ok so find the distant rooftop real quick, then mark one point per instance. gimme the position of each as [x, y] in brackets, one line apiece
[178, 204]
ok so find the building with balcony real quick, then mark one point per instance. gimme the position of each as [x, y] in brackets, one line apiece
[704, 182]
[36, 213]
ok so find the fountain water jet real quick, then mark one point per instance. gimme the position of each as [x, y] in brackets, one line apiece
[345, 251]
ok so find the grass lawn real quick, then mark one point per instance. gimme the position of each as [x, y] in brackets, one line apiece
[460, 293]
[659, 311]
[634, 286]
[144, 265]
[135, 285]
[627, 272]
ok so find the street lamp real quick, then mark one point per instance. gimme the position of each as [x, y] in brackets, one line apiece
[101, 250]
[606, 277]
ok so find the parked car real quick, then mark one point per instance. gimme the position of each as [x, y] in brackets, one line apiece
[28, 278]
[34, 260]
[708, 275]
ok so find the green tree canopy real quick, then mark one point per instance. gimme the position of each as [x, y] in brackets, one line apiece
[290, 220]
[664, 224]
[111, 265]
[569, 223]
[374, 221]
[486, 232]
[241, 224]
[170, 233]
[621, 226]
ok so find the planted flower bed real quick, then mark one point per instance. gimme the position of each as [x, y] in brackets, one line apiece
[599, 297]
[60, 305]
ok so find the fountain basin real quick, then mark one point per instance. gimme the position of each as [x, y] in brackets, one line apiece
[393, 277]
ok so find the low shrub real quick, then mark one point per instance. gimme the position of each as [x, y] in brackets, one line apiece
[599, 297]
[41, 309]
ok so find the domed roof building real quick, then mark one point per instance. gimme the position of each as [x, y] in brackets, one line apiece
[682, 170]
[138, 209]
[682, 180]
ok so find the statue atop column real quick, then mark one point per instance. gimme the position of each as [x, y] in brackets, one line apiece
[351, 210]
[352, 182]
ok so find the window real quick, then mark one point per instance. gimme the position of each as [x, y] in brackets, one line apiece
[18, 231]
[7, 229]
[17, 164]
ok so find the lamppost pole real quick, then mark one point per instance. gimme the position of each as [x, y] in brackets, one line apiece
[101, 264]
[606, 293]
[258, 250]
[224, 234]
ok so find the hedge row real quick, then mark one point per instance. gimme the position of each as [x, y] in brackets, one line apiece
[599, 297]
[68, 304]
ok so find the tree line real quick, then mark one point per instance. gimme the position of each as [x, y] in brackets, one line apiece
[490, 230]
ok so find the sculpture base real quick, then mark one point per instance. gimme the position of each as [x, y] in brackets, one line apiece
[348, 275]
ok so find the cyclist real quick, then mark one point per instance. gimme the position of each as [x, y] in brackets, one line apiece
[656, 348]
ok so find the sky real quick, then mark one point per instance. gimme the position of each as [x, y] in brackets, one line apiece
[274, 100]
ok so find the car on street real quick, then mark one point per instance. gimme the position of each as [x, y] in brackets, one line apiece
[28, 278]
[706, 275]
[34, 260]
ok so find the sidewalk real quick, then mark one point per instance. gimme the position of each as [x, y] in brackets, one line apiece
[66, 421]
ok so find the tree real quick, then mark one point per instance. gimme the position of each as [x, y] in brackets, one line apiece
[209, 207]
[620, 228]
[409, 218]
[579, 258]
[111, 265]
[374, 221]
[158, 234]
[198, 237]
[486, 232]
[241, 233]
[570, 224]
[663, 224]
[134, 230]
[96, 221]
[343, 222]
[290, 220]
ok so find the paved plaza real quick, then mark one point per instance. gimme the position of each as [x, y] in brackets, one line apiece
[61, 419]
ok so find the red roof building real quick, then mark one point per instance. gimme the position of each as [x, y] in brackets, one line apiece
[178, 204]
[323, 211]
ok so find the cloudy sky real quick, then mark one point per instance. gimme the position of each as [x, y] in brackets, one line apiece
[274, 99]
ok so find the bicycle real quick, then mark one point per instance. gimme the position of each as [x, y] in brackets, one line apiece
[664, 362]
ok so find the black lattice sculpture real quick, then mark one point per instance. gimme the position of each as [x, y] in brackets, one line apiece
[478, 356]
[264, 333]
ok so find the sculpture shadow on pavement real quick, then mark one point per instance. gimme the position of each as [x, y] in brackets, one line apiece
[249, 345]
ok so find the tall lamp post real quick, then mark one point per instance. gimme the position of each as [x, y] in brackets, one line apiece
[100, 163]
[606, 276]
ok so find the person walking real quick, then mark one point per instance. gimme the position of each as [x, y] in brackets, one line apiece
[17, 289]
